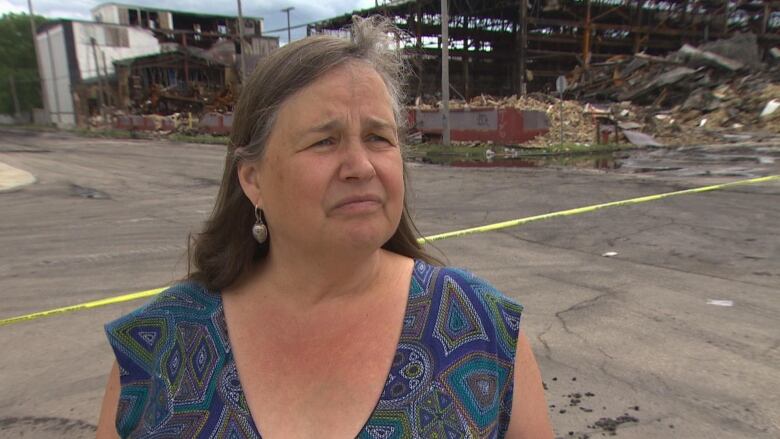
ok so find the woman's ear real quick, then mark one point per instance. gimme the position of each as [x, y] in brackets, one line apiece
[249, 178]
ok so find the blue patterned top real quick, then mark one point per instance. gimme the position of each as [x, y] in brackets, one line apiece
[451, 376]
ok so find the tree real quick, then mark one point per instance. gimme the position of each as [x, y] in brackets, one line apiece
[17, 59]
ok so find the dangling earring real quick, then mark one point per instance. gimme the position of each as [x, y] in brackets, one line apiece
[259, 230]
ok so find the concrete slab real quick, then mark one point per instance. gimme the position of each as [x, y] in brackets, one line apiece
[12, 178]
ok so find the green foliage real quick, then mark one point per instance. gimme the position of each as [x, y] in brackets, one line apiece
[579, 148]
[17, 58]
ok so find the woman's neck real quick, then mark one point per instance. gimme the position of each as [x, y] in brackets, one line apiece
[309, 279]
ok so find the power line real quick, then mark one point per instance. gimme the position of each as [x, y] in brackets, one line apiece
[284, 29]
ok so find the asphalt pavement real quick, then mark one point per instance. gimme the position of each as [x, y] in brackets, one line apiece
[655, 320]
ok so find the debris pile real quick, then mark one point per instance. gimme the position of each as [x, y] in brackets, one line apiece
[578, 125]
[196, 98]
[720, 91]
[714, 93]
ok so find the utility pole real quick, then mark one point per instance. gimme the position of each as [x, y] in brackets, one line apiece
[419, 57]
[445, 73]
[586, 36]
[44, 96]
[241, 41]
[523, 44]
[109, 96]
[100, 81]
[287, 10]
[186, 59]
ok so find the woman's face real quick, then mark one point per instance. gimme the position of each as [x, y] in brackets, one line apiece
[332, 174]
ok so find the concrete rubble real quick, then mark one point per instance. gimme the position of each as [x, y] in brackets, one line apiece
[717, 92]
[578, 125]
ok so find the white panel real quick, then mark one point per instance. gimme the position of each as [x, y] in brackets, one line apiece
[166, 20]
[141, 42]
[54, 63]
[60, 56]
[108, 13]
[45, 69]
[115, 14]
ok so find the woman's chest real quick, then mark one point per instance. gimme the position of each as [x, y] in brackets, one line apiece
[313, 392]
[316, 378]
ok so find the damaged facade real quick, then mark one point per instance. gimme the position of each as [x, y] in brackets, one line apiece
[688, 70]
[75, 57]
[135, 59]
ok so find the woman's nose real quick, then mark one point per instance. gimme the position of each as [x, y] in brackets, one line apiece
[356, 161]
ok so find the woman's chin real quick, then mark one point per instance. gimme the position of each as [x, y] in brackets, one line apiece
[366, 239]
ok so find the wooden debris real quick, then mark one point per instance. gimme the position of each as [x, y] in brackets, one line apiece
[699, 94]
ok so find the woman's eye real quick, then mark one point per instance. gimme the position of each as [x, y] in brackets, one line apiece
[324, 142]
[377, 138]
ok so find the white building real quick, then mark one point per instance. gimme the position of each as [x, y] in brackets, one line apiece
[165, 19]
[72, 52]
[75, 53]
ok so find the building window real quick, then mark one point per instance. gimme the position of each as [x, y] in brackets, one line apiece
[116, 37]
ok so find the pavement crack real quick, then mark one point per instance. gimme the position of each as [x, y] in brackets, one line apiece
[576, 307]
[540, 337]
[647, 264]
[603, 369]
[584, 304]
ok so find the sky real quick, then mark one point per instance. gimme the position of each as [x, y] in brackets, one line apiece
[270, 10]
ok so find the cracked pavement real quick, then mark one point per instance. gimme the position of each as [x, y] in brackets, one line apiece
[626, 344]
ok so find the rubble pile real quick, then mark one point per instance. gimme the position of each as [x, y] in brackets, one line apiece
[578, 125]
[714, 93]
[720, 91]
[196, 98]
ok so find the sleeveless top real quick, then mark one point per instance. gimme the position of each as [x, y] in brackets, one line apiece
[451, 376]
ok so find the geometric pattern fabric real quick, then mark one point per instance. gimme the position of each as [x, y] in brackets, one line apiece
[451, 376]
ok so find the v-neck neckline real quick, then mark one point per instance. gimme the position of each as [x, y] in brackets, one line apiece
[240, 387]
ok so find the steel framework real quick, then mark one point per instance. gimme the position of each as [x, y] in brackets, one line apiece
[504, 47]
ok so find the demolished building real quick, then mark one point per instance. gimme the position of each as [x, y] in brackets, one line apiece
[175, 80]
[74, 58]
[505, 47]
[88, 67]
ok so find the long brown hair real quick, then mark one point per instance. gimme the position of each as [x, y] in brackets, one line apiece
[225, 249]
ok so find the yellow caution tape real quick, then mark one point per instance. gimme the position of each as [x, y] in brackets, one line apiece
[579, 210]
[80, 306]
[455, 234]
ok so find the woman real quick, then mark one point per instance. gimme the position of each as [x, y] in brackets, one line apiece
[313, 312]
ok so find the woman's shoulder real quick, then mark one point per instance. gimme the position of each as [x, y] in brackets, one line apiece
[460, 281]
[185, 313]
[183, 300]
[460, 300]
